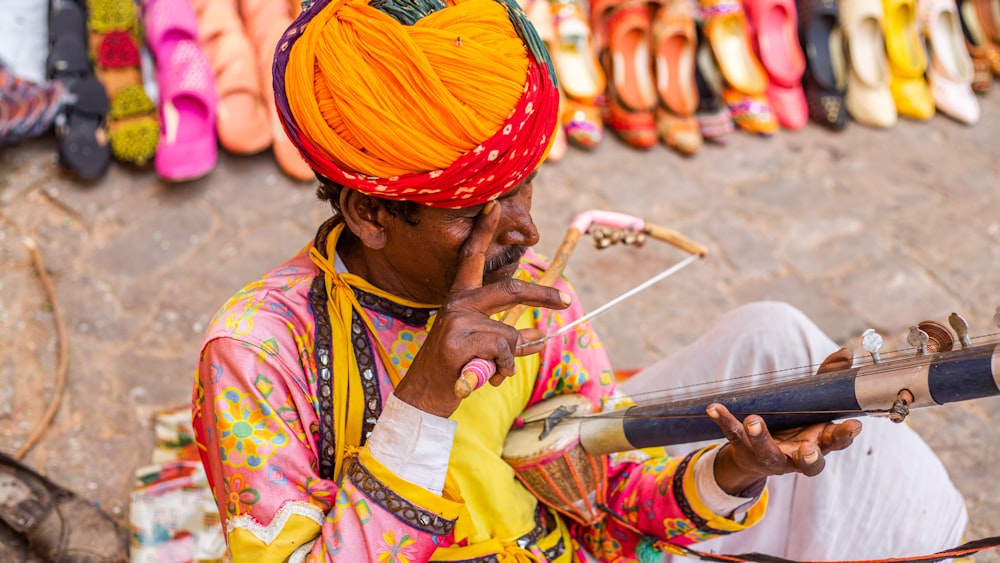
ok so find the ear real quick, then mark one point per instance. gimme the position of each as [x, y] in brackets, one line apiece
[363, 215]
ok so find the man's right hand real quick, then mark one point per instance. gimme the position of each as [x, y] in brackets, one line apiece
[463, 329]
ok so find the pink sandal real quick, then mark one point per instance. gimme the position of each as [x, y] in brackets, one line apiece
[188, 147]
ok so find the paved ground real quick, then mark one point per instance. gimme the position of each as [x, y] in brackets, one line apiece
[859, 229]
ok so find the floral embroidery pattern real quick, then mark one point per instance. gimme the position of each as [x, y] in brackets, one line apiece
[239, 495]
[567, 377]
[249, 431]
[405, 347]
[393, 550]
[316, 491]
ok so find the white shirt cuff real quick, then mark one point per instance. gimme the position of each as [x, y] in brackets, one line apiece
[715, 499]
[413, 444]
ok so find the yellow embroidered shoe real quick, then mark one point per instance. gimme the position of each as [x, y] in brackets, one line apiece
[868, 98]
[907, 60]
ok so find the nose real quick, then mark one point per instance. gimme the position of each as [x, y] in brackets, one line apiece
[516, 225]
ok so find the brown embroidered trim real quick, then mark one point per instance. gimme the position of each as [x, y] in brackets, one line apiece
[409, 315]
[403, 510]
[683, 502]
[324, 368]
[369, 379]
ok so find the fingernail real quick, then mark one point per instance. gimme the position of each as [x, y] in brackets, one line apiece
[812, 456]
[754, 428]
[712, 412]
[488, 208]
[565, 298]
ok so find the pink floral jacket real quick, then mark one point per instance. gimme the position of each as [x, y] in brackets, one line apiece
[262, 404]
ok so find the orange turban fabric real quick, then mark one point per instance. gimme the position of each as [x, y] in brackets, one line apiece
[444, 104]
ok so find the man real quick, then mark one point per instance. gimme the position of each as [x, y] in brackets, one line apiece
[324, 402]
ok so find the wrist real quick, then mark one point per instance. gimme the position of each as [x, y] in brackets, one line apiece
[419, 397]
[732, 478]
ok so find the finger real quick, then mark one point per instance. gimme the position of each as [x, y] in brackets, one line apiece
[808, 459]
[529, 335]
[765, 450]
[731, 428]
[841, 359]
[472, 257]
[839, 436]
[505, 294]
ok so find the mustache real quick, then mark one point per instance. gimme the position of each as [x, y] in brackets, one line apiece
[506, 257]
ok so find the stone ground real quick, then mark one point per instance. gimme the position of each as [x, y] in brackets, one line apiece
[859, 229]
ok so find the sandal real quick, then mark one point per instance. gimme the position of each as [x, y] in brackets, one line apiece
[775, 36]
[985, 54]
[714, 120]
[114, 48]
[580, 75]
[950, 72]
[674, 48]
[907, 60]
[242, 120]
[58, 525]
[868, 98]
[744, 79]
[188, 148]
[266, 21]
[625, 56]
[81, 125]
[825, 72]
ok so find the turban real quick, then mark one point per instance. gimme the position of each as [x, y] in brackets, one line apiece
[444, 104]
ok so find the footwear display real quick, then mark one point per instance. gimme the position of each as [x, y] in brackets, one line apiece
[581, 77]
[985, 54]
[625, 57]
[81, 125]
[266, 21]
[57, 524]
[188, 147]
[133, 132]
[714, 120]
[674, 49]
[242, 120]
[868, 99]
[774, 34]
[907, 60]
[825, 78]
[745, 80]
[950, 72]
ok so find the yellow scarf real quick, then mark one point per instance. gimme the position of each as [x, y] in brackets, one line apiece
[500, 509]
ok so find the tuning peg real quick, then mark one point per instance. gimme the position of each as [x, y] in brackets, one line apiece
[918, 339]
[871, 341]
[961, 328]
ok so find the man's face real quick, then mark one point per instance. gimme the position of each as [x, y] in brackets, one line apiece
[424, 257]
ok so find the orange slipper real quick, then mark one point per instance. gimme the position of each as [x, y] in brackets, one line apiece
[266, 21]
[242, 122]
[674, 48]
[631, 96]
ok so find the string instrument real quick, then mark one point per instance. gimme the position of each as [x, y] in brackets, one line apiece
[558, 446]
[553, 435]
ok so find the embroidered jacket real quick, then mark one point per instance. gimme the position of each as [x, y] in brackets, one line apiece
[264, 424]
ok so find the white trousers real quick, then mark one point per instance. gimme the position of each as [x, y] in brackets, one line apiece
[888, 495]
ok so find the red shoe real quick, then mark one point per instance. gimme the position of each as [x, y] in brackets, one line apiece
[773, 27]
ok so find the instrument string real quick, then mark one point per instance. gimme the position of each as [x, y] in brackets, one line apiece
[890, 361]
